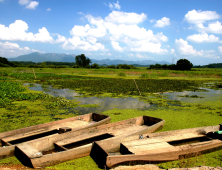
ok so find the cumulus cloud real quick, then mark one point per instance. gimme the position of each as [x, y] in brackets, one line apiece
[147, 46]
[29, 3]
[120, 17]
[32, 5]
[60, 39]
[17, 31]
[199, 16]
[114, 6]
[203, 37]
[49, 9]
[214, 27]
[116, 46]
[118, 27]
[81, 43]
[8, 49]
[187, 50]
[87, 30]
[162, 22]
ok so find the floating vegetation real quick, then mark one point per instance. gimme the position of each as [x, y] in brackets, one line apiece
[191, 96]
[125, 86]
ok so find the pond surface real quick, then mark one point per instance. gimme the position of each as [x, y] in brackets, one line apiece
[104, 103]
[204, 94]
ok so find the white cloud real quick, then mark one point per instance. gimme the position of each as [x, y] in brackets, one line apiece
[114, 6]
[185, 49]
[214, 27]
[220, 49]
[17, 32]
[8, 49]
[118, 27]
[199, 16]
[116, 46]
[49, 9]
[162, 22]
[92, 40]
[32, 5]
[203, 37]
[133, 32]
[60, 39]
[120, 17]
[147, 46]
[29, 3]
[82, 44]
[87, 30]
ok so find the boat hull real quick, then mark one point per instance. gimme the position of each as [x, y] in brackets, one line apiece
[159, 147]
[9, 139]
[78, 144]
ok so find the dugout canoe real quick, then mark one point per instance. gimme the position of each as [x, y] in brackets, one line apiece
[73, 145]
[159, 147]
[9, 139]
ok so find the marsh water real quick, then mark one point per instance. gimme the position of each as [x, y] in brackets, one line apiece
[104, 103]
[203, 94]
[108, 103]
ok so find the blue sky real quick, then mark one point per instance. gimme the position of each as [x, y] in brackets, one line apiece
[160, 30]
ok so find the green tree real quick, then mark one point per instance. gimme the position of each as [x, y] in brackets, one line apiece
[43, 65]
[82, 61]
[4, 62]
[184, 64]
[95, 65]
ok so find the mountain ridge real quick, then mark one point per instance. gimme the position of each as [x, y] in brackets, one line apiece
[57, 57]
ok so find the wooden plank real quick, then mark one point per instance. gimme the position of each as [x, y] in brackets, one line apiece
[29, 150]
[77, 139]
[146, 147]
[23, 135]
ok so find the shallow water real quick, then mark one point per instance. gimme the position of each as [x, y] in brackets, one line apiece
[204, 95]
[104, 103]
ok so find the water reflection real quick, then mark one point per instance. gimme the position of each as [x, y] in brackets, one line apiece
[104, 103]
[204, 95]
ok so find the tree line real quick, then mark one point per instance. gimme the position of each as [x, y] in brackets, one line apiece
[182, 64]
[83, 62]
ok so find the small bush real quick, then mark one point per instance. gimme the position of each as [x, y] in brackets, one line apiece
[150, 76]
[144, 75]
[122, 74]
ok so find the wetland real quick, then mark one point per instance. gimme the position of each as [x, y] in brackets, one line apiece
[184, 99]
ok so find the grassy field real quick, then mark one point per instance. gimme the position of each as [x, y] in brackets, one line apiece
[21, 107]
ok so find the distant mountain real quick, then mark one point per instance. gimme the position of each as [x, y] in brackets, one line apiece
[56, 57]
[116, 62]
[38, 57]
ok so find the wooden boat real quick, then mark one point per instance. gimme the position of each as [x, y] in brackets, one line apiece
[71, 145]
[159, 147]
[9, 139]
